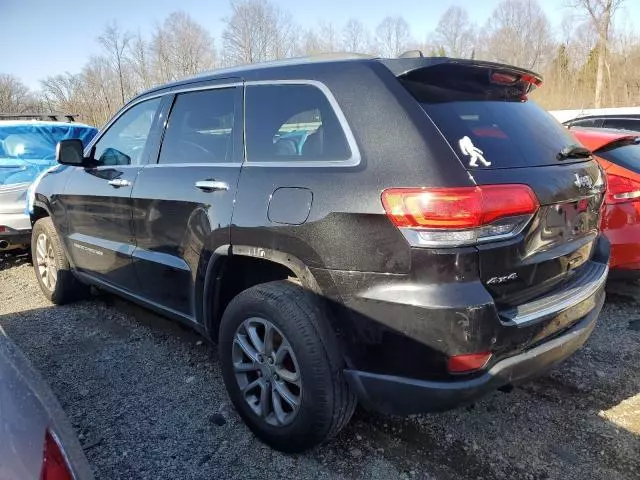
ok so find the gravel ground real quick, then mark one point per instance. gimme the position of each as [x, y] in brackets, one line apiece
[147, 400]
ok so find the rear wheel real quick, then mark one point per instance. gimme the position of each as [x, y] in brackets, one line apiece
[51, 266]
[282, 368]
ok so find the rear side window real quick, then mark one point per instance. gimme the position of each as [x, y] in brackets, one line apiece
[200, 128]
[627, 156]
[286, 123]
[488, 126]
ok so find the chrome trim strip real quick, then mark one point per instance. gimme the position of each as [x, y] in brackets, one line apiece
[194, 164]
[351, 141]
[571, 301]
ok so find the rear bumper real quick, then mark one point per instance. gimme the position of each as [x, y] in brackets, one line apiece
[19, 228]
[403, 396]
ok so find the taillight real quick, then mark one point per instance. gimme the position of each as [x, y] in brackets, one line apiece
[468, 362]
[460, 216]
[54, 461]
[622, 189]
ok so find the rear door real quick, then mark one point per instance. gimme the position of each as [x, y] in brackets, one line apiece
[502, 137]
[182, 203]
[96, 200]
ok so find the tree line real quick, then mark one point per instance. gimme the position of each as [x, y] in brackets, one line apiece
[587, 62]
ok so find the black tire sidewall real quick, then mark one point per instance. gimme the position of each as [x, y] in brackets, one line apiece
[313, 420]
[67, 288]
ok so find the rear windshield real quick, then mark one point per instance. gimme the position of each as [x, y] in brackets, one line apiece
[627, 156]
[489, 126]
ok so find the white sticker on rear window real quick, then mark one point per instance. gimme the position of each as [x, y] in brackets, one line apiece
[468, 149]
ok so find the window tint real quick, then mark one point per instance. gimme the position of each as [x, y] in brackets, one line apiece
[200, 128]
[482, 120]
[627, 156]
[292, 123]
[124, 143]
[622, 123]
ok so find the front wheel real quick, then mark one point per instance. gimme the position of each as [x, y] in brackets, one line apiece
[51, 266]
[282, 368]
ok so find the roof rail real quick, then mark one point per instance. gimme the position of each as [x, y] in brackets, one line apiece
[52, 116]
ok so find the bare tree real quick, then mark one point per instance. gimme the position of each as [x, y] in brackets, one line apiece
[15, 97]
[257, 31]
[182, 47]
[455, 33]
[115, 43]
[519, 33]
[355, 37]
[601, 14]
[140, 61]
[393, 36]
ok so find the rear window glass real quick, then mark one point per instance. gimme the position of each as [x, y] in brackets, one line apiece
[287, 123]
[627, 156]
[489, 126]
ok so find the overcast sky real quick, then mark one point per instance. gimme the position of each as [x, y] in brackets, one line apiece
[39, 38]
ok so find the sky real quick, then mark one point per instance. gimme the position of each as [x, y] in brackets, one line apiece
[39, 38]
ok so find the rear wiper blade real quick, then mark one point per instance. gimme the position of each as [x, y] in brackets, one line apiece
[573, 151]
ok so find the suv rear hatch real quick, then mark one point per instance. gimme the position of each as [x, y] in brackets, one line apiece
[501, 137]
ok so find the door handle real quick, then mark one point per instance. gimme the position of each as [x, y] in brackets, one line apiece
[119, 182]
[211, 185]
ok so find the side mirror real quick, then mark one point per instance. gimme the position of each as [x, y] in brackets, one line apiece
[70, 152]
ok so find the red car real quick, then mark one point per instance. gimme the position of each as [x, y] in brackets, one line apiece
[619, 154]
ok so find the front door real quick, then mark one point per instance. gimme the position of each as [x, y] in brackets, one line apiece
[182, 204]
[97, 200]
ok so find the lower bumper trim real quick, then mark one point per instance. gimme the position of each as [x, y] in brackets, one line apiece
[402, 396]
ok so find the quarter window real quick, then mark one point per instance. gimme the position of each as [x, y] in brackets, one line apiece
[200, 128]
[292, 123]
[125, 141]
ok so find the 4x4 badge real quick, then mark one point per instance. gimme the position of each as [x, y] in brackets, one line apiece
[470, 150]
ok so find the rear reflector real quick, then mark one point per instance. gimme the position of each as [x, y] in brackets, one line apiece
[54, 462]
[468, 362]
[459, 216]
[622, 189]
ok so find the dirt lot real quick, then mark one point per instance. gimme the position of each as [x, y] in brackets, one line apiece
[147, 401]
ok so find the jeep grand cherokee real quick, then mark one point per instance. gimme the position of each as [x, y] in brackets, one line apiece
[407, 233]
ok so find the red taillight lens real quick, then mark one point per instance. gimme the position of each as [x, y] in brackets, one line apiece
[622, 189]
[468, 362]
[54, 463]
[465, 207]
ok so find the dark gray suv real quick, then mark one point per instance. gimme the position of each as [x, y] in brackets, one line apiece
[407, 233]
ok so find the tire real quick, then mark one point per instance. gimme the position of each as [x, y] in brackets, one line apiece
[325, 401]
[55, 277]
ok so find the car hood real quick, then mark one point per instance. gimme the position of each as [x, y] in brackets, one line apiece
[14, 171]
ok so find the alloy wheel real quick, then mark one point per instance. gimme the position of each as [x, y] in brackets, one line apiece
[46, 262]
[267, 371]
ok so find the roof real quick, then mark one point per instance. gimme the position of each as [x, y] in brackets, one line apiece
[595, 138]
[274, 69]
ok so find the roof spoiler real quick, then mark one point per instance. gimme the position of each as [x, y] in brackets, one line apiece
[412, 61]
[55, 117]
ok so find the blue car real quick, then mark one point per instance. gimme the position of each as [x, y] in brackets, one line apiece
[27, 149]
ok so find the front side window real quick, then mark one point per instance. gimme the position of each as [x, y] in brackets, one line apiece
[292, 123]
[200, 128]
[124, 143]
